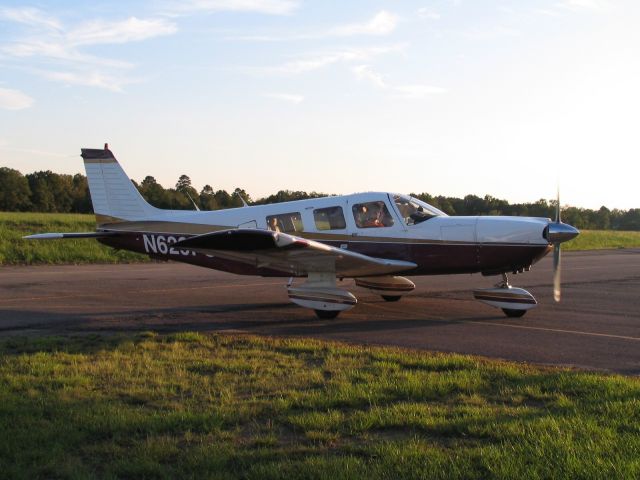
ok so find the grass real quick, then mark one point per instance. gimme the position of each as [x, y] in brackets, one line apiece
[600, 239]
[193, 405]
[16, 251]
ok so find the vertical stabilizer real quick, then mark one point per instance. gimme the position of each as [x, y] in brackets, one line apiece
[113, 195]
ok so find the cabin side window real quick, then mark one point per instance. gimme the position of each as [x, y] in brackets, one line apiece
[330, 218]
[285, 222]
[414, 211]
[372, 214]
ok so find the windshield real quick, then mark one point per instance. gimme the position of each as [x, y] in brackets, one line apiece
[415, 211]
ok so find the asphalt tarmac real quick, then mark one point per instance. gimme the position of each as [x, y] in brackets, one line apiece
[596, 326]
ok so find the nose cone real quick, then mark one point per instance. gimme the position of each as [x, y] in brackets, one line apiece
[558, 232]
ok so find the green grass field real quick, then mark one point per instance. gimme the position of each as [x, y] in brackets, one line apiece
[16, 251]
[195, 405]
[601, 239]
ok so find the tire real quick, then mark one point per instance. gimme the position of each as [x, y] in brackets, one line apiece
[327, 314]
[513, 313]
[391, 298]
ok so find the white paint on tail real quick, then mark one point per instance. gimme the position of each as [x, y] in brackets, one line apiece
[112, 192]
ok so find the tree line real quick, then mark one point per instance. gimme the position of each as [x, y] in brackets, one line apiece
[46, 191]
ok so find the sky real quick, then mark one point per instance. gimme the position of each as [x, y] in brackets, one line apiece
[449, 97]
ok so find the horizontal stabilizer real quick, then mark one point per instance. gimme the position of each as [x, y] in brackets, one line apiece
[54, 236]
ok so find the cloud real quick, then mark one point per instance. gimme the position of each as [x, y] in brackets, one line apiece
[45, 153]
[286, 97]
[14, 99]
[592, 5]
[365, 72]
[318, 61]
[97, 79]
[130, 30]
[568, 7]
[382, 23]
[58, 51]
[269, 7]
[30, 16]
[412, 91]
[429, 14]
[417, 91]
[490, 33]
[51, 42]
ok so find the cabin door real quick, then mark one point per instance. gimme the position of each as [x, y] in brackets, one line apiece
[374, 229]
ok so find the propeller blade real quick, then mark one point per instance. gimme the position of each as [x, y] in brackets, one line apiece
[558, 206]
[556, 272]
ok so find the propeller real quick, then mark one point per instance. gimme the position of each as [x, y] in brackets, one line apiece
[557, 233]
[556, 255]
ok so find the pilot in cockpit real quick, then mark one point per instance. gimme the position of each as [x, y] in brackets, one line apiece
[375, 219]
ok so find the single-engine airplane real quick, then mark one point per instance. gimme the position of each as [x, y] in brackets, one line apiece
[371, 237]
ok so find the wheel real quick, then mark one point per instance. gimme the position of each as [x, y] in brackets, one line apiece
[327, 314]
[391, 298]
[513, 313]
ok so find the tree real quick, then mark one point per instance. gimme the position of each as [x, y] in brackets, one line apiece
[45, 191]
[14, 190]
[630, 220]
[153, 192]
[81, 199]
[287, 196]
[603, 218]
[222, 198]
[50, 192]
[183, 184]
[184, 189]
[207, 198]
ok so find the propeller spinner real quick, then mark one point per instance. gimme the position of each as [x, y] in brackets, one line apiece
[558, 232]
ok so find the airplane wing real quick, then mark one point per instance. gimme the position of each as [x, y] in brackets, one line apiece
[290, 254]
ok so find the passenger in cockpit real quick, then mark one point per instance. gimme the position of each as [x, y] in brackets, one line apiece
[273, 224]
[362, 216]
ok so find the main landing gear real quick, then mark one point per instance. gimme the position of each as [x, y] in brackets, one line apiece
[389, 287]
[513, 301]
[321, 293]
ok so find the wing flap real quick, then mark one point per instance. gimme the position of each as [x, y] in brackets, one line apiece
[290, 254]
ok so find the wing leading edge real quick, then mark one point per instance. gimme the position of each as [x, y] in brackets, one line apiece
[290, 254]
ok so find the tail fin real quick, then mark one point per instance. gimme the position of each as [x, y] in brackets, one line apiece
[113, 195]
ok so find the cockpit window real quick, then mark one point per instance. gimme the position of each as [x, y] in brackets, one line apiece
[330, 218]
[285, 222]
[372, 214]
[415, 211]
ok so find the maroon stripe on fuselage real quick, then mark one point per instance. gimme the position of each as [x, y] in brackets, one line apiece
[504, 298]
[431, 258]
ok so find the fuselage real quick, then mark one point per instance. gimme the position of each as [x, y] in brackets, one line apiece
[377, 224]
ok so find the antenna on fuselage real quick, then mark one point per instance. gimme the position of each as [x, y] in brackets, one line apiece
[194, 203]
